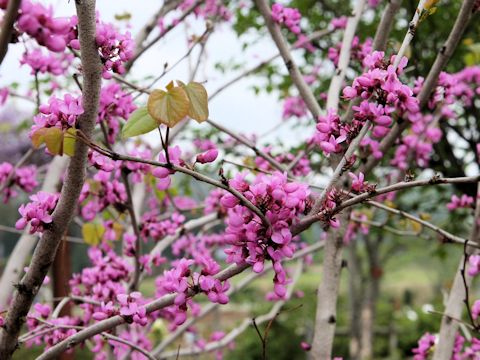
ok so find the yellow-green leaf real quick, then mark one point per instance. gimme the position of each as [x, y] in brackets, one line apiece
[69, 142]
[54, 140]
[92, 233]
[198, 100]
[140, 122]
[38, 137]
[168, 107]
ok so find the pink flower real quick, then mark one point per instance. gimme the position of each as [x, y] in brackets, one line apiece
[474, 265]
[207, 157]
[38, 212]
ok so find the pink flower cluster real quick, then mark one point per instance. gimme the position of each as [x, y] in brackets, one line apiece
[137, 169]
[474, 265]
[163, 174]
[425, 345]
[301, 168]
[176, 281]
[331, 133]
[290, 17]
[100, 193]
[381, 94]
[250, 241]
[38, 22]
[153, 226]
[355, 225]
[340, 23]
[60, 332]
[463, 350]
[38, 212]
[210, 8]
[130, 307]
[114, 48]
[23, 177]
[103, 281]
[115, 104]
[60, 113]
[456, 202]
[358, 52]
[294, 106]
[52, 63]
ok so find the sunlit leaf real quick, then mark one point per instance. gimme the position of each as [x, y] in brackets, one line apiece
[198, 100]
[92, 233]
[38, 137]
[168, 107]
[53, 139]
[69, 142]
[140, 122]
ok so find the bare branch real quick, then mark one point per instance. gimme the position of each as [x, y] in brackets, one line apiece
[297, 78]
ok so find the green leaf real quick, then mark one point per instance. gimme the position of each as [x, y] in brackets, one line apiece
[92, 233]
[38, 137]
[168, 107]
[140, 122]
[53, 138]
[198, 100]
[69, 142]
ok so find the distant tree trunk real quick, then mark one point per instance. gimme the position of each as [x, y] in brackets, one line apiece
[370, 300]
[62, 270]
[356, 290]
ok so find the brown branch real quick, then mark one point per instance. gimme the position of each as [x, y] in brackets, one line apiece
[7, 26]
[297, 78]
[47, 247]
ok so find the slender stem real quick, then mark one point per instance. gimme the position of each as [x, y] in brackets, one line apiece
[295, 74]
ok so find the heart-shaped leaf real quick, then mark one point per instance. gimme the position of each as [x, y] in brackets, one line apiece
[198, 100]
[140, 122]
[69, 142]
[54, 140]
[38, 137]
[168, 107]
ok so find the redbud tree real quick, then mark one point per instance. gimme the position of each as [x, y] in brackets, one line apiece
[386, 98]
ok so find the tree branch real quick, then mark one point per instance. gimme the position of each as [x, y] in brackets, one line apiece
[47, 247]
[8, 20]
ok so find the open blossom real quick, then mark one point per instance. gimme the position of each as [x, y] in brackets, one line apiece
[130, 305]
[38, 212]
[358, 182]
[60, 113]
